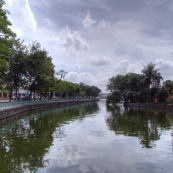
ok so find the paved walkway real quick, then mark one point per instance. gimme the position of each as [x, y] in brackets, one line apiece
[5, 104]
[4, 100]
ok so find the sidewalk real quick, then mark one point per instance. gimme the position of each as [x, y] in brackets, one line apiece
[4, 101]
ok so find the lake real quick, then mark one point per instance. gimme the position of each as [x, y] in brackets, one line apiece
[88, 138]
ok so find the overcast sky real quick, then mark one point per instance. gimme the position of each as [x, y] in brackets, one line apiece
[94, 40]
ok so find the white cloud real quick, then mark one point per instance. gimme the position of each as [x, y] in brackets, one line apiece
[48, 22]
[22, 17]
[124, 66]
[98, 80]
[164, 63]
[131, 40]
[10, 3]
[76, 67]
[85, 77]
[71, 40]
[135, 68]
[30, 15]
[88, 22]
[112, 42]
[104, 24]
[166, 68]
[98, 60]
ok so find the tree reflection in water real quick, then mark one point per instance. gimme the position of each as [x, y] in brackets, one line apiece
[142, 123]
[24, 143]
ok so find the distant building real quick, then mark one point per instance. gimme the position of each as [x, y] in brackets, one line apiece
[4, 94]
[104, 95]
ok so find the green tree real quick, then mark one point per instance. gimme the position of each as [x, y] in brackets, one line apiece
[87, 90]
[64, 87]
[40, 70]
[82, 87]
[116, 83]
[124, 82]
[126, 86]
[151, 78]
[169, 85]
[15, 76]
[6, 40]
[115, 97]
[131, 96]
[72, 89]
[95, 91]
[162, 94]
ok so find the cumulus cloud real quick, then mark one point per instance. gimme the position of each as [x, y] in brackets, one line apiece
[135, 68]
[124, 66]
[88, 22]
[165, 67]
[85, 77]
[88, 78]
[164, 63]
[100, 78]
[76, 67]
[98, 60]
[71, 40]
[10, 3]
[132, 40]
[112, 42]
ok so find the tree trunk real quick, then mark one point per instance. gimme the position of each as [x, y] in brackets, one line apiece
[10, 95]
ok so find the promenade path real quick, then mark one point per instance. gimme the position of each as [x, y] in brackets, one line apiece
[4, 104]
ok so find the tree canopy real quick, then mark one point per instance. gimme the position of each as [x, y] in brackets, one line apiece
[6, 39]
[31, 68]
[124, 87]
[151, 77]
[76, 90]
[144, 88]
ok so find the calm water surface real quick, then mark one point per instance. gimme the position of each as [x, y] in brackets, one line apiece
[90, 138]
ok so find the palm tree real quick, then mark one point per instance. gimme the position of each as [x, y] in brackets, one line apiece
[156, 81]
[151, 77]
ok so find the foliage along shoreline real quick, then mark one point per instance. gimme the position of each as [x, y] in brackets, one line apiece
[140, 88]
[31, 68]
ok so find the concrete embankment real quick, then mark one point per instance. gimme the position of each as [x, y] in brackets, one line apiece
[152, 106]
[7, 113]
